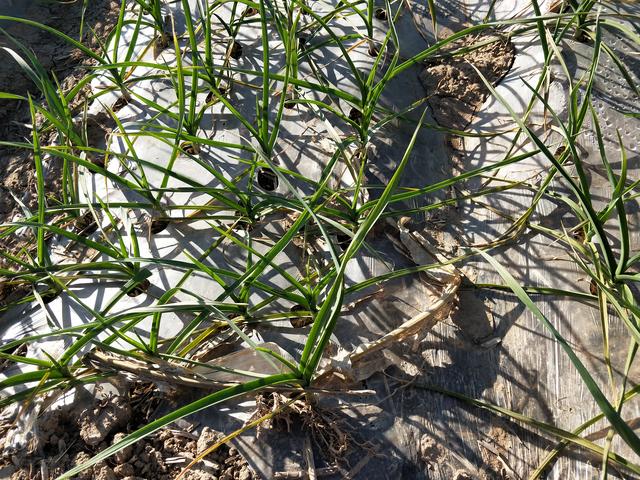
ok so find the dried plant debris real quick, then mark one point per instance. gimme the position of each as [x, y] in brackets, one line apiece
[454, 88]
[64, 438]
[331, 440]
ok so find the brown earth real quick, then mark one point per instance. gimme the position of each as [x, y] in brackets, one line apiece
[66, 437]
[454, 88]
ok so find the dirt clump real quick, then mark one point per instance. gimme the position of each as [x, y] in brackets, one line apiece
[97, 422]
[64, 438]
[454, 88]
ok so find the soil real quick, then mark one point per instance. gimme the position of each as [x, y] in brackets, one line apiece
[17, 169]
[455, 89]
[69, 436]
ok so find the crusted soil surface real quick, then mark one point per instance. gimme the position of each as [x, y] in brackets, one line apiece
[66, 437]
[454, 88]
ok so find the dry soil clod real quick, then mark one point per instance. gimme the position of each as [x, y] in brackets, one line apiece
[454, 87]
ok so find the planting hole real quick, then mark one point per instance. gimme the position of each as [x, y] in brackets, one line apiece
[212, 97]
[86, 224]
[158, 225]
[236, 50]
[139, 289]
[20, 350]
[299, 322]
[355, 115]
[250, 12]
[290, 101]
[98, 160]
[242, 222]
[560, 150]
[120, 103]
[267, 179]
[373, 50]
[582, 37]
[190, 148]
[50, 295]
[381, 14]
[343, 240]
[579, 235]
